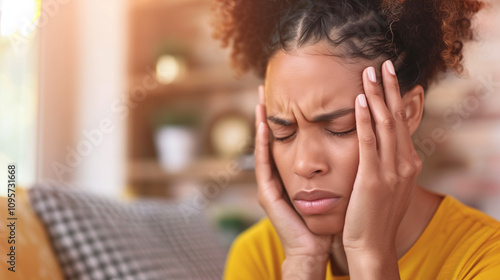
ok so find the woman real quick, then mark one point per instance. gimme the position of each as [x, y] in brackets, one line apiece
[335, 164]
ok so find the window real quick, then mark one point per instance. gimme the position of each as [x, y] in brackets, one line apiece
[18, 89]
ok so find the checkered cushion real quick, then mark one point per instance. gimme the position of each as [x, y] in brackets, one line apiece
[102, 238]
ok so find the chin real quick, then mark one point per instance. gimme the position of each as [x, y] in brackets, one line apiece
[325, 224]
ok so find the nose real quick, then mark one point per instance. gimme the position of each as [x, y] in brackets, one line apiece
[309, 158]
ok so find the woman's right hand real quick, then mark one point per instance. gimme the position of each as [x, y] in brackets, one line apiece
[306, 253]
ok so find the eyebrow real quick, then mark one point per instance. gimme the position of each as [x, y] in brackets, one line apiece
[279, 121]
[320, 118]
[333, 115]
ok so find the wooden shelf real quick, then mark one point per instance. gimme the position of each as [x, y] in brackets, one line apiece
[200, 81]
[147, 172]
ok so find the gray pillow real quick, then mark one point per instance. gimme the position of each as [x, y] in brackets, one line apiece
[98, 237]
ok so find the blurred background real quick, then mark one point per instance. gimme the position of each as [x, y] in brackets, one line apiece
[133, 98]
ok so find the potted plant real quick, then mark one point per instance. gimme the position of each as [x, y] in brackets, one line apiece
[176, 138]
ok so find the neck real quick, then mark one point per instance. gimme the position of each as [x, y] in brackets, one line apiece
[422, 207]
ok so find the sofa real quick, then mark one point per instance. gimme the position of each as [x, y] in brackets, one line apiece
[61, 233]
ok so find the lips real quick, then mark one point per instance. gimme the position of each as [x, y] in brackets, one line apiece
[315, 202]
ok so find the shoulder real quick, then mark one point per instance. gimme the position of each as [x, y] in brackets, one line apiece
[256, 253]
[483, 258]
[468, 225]
[460, 242]
[470, 218]
[262, 231]
[479, 237]
[258, 242]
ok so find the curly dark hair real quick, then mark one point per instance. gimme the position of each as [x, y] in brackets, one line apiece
[421, 37]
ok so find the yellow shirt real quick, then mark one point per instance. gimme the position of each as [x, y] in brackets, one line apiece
[459, 242]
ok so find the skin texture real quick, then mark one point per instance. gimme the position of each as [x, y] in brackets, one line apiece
[382, 211]
[300, 87]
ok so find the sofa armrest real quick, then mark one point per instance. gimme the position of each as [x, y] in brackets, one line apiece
[34, 256]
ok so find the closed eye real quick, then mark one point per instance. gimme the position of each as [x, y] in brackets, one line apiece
[342, 133]
[333, 133]
[283, 138]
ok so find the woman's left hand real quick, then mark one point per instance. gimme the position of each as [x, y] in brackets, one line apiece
[387, 171]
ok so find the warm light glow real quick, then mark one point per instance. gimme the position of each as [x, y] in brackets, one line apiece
[18, 15]
[169, 68]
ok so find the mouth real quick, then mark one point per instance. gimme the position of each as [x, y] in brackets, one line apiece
[315, 202]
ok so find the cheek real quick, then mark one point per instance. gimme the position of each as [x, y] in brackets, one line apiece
[345, 160]
[283, 157]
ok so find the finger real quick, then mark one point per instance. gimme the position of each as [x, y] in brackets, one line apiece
[404, 143]
[262, 161]
[366, 136]
[416, 160]
[258, 116]
[260, 110]
[264, 165]
[261, 114]
[272, 194]
[261, 117]
[269, 184]
[384, 121]
[270, 188]
[262, 97]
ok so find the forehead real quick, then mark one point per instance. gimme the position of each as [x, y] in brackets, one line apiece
[312, 80]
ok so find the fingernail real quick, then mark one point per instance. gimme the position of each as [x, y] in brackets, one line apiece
[261, 128]
[371, 74]
[362, 100]
[390, 67]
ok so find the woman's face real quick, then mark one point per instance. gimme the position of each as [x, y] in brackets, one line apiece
[309, 96]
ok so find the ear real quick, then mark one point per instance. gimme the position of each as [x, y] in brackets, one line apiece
[413, 101]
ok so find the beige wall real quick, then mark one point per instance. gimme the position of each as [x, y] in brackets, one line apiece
[82, 72]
